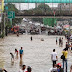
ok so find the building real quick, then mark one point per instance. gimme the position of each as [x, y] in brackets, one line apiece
[65, 6]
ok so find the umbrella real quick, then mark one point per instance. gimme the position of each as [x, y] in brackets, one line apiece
[66, 26]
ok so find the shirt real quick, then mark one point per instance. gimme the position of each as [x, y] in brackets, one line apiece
[56, 38]
[22, 70]
[52, 70]
[54, 54]
[21, 51]
[65, 53]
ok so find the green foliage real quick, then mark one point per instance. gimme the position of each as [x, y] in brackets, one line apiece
[41, 10]
[11, 7]
[44, 7]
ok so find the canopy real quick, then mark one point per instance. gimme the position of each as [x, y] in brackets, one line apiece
[66, 26]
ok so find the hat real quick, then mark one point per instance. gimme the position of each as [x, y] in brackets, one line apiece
[59, 64]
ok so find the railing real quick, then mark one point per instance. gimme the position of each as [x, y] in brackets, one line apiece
[37, 1]
[40, 13]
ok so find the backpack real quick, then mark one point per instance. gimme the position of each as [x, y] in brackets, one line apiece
[63, 57]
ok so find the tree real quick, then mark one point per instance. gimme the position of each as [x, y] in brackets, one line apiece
[11, 7]
[42, 9]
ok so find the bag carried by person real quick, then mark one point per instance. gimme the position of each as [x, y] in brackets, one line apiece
[62, 57]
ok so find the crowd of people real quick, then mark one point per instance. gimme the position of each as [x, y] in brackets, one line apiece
[54, 57]
[60, 41]
[56, 67]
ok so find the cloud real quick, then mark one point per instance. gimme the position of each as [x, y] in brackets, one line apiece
[26, 6]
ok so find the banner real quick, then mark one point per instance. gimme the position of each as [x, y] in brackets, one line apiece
[49, 21]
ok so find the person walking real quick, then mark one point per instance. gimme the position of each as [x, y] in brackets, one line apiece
[16, 53]
[21, 53]
[31, 38]
[54, 57]
[29, 69]
[12, 57]
[56, 40]
[67, 45]
[68, 39]
[23, 68]
[65, 53]
[60, 41]
[17, 33]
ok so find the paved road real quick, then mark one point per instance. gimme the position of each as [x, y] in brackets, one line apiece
[36, 53]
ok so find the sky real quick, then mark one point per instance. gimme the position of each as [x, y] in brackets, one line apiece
[24, 6]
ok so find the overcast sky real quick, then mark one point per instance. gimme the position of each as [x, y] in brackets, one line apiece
[24, 6]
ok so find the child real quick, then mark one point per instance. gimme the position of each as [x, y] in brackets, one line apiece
[16, 53]
[12, 57]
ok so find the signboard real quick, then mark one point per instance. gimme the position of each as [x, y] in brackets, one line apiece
[6, 7]
[11, 14]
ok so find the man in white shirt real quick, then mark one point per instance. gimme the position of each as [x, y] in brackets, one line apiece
[23, 68]
[54, 57]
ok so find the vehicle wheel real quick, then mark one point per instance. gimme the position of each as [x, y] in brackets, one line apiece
[22, 32]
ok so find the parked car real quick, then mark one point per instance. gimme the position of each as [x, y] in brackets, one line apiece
[34, 32]
[17, 28]
[21, 31]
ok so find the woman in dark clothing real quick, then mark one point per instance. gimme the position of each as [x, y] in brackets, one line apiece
[31, 38]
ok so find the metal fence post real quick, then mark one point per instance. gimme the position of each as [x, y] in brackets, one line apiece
[4, 26]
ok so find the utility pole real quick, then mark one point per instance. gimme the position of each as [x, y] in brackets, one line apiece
[69, 6]
[4, 24]
[19, 7]
[1, 17]
[69, 29]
